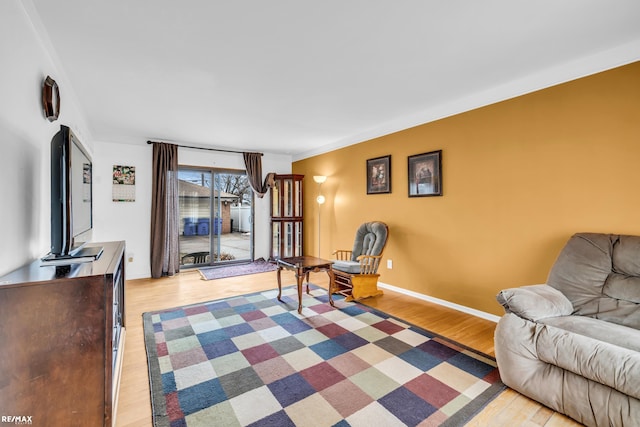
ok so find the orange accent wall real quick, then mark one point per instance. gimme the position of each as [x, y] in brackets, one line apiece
[519, 178]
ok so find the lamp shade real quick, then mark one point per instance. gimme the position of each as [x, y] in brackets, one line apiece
[320, 199]
[319, 178]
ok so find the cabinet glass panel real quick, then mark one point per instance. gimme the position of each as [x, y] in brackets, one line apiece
[298, 198]
[298, 249]
[275, 200]
[288, 197]
[288, 246]
[275, 244]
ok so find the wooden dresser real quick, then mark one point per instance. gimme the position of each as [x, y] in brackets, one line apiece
[61, 340]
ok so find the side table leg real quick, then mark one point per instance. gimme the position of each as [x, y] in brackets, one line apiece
[279, 284]
[299, 279]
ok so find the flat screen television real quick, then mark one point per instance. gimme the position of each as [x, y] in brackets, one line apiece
[71, 195]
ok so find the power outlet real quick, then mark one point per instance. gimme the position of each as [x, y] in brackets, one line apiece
[389, 264]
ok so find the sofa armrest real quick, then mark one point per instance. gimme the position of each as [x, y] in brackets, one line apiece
[535, 302]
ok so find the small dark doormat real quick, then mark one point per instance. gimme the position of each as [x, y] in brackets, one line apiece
[257, 266]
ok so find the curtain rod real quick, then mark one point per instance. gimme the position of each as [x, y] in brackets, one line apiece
[204, 148]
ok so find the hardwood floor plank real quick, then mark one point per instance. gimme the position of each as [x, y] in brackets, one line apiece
[134, 406]
[493, 409]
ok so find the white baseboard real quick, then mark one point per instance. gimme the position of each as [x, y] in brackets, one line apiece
[468, 310]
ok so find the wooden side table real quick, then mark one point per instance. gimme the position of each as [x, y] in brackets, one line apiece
[302, 266]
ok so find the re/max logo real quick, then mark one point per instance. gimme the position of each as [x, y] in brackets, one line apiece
[17, 419]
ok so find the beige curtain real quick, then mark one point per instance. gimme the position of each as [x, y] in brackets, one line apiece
[165, 250]
[253, 164]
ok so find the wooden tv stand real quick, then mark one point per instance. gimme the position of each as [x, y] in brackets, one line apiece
[61, 340]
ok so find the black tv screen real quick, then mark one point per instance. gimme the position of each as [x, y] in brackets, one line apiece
[71, 194]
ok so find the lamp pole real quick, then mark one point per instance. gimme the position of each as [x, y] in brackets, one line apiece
[320, 199]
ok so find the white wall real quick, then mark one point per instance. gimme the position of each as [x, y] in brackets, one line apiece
[128, 221]
[25, 138]
[131, 221]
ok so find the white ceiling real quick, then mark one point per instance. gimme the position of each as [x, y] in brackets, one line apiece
[304, 76]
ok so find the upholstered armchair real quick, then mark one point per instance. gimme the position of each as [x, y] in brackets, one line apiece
[356, 270]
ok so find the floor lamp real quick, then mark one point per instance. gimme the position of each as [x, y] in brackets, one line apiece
[320, 199]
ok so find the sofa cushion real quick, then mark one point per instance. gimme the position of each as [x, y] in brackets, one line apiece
[582, 267]
[626, 255]
[535, 302]
[621, 336]
[623, 287]
[624, 281]
[587, 401]
[595, 359]
[600, 275]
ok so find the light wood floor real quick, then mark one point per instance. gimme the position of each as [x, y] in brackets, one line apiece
[510, 409]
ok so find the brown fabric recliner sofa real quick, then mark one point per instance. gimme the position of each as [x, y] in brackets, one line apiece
[573, 344]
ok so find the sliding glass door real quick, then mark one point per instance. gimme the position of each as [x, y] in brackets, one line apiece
[216, 216]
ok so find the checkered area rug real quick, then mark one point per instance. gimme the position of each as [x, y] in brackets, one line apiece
[254, 361]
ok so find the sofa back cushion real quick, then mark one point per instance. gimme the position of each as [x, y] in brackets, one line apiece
[600, 275]
[624, 281]
[622, 287]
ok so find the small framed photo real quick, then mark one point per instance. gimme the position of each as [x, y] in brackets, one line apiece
[379, 175]
[425, 174]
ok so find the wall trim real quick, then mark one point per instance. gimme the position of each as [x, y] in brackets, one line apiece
[570, 70]
[445, 303]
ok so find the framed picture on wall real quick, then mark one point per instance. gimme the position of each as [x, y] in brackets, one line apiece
[425, 174]
[379, 175]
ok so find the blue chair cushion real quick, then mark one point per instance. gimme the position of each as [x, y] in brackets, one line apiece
[352, 267]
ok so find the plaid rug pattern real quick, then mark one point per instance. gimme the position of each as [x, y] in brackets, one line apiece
[253, 361]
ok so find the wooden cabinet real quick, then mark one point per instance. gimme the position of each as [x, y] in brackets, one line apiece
[286, 216]
[61, 340]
